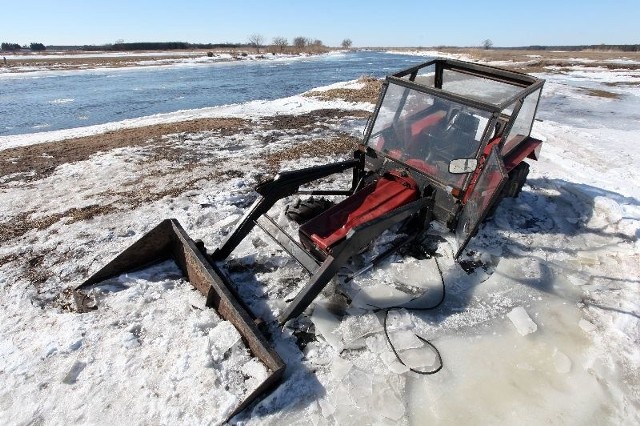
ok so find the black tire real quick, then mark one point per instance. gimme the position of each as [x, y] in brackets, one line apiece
[517, 178]
[513, 186]
[301, 211]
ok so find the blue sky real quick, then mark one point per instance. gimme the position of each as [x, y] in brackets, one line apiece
[367, 23]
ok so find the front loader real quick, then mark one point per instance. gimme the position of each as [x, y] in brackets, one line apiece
[445, 143]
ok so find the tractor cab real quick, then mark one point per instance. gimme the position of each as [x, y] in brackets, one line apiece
[427, 133]
[460, 128]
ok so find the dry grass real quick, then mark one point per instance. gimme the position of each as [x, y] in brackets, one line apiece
[309, 120]
[532, 61]
[368, 93]
[23, 223]
[601, 93]
[73, 62]
[42, 159]
[338, 145]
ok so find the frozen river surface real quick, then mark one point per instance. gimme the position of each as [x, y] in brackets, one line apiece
[55, 100]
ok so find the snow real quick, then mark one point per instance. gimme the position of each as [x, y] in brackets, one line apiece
[546, 331]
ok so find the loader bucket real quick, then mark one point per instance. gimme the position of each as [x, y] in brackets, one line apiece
[167, 241]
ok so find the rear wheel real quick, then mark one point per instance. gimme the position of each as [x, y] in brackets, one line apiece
[517, 178]
[513, 186]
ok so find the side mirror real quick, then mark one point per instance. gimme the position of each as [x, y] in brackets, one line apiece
[463, 165]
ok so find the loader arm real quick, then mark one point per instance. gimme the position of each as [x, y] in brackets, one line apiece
[283, 185]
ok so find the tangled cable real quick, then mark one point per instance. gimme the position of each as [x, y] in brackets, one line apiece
[386, 333]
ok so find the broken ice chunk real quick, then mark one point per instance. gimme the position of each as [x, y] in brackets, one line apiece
[399, 319]
[577, 280]
[326, 324]
[377, 344]
[255, 369]
[418, 273]
[392, 362]
[360, 386]
[587, 258]
[390, 405]
[326, 407]
[359, 380]
[340, 367]
[354, 328]
[405, 339]
[586, 326]
[418, 358]
[380, 296]
[223, 336]
[521, 320]
[561, 361]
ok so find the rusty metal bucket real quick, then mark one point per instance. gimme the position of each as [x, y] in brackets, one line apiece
[167, 241]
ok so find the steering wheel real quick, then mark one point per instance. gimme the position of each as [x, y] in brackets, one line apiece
[436, 145]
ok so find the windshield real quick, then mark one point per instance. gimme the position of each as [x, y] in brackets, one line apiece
[427, 132]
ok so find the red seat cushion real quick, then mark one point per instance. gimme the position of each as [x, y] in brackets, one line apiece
[329, 228]
[425, 122]
[418, 128]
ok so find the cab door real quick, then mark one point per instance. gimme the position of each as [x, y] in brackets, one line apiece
[486, 191]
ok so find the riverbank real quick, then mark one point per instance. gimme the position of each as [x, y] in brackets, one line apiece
[537, 61]
[565, 252]
[81, 60]
[531, 61]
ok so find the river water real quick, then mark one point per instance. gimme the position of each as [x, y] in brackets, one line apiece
[50, 100]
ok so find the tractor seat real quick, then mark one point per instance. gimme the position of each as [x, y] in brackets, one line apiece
[322, 233]
[460, 135]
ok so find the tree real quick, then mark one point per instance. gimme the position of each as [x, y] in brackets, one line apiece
[10, 46]
[487, 44]
[37, 47]
[300, 42]
[257, 41]
[346, 43]
[280, 42]
[317, 43]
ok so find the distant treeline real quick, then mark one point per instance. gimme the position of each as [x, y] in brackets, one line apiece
[617, 47]
[171, 45]
[13, 47]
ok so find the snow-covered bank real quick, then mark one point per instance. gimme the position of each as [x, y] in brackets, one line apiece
[545, 331]
[19, 66]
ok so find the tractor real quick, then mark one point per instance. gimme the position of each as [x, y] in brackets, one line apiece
[446, 142]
